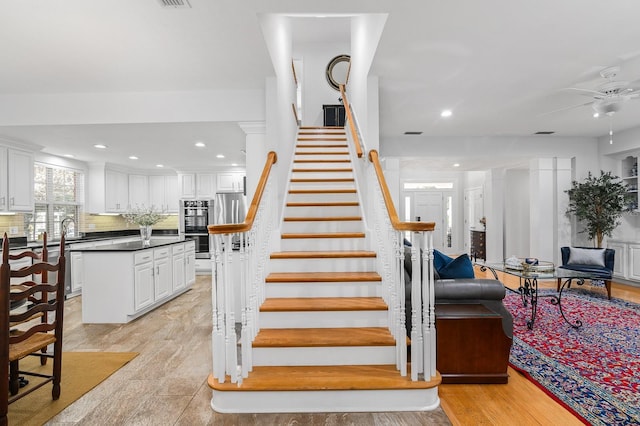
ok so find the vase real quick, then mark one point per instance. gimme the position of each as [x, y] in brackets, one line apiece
[145, 234]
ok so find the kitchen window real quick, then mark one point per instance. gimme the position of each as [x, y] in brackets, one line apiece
[57, 195]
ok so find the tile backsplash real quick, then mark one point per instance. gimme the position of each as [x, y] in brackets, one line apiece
[87, 223]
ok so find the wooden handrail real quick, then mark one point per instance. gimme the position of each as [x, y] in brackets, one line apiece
[391, 210]
[232, 228]
[352, 125]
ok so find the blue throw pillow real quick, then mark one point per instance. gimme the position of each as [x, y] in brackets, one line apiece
[440, 260]
[460, 267]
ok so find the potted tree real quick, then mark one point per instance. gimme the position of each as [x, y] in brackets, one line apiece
[598, 202]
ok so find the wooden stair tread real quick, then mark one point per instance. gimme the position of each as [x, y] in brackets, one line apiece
[321, 153]
[290, 236]
[298, 180]
[311, 277]
[320, 160]
[336, 254]
[323, 191]
[323, 304]
[323, 337]
[321, 127]
[330, 170]
[322, 219]
[323, 204]
[331, 377]
[315, 145]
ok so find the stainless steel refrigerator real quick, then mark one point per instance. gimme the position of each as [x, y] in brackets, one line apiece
[230, 207]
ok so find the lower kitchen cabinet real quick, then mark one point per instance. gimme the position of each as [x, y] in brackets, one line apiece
[124, 281]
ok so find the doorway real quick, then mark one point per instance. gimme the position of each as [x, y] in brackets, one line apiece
[433, 206]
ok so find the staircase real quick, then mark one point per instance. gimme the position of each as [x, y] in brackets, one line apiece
[324, 344]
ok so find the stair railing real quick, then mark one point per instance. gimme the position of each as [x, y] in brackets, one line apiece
[246, 245]
[388, 232]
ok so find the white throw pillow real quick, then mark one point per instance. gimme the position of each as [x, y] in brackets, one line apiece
[583, 256]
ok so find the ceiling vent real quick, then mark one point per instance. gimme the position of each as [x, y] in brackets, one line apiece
[176, 4]
[544, 133]
[412, 133]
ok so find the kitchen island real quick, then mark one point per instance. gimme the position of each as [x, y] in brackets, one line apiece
[123, 281]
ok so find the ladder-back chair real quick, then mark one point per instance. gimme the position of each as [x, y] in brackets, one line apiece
[32, 313]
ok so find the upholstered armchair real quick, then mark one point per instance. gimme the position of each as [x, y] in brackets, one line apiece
[596, 261]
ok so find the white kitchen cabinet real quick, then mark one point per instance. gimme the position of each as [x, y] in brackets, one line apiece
[206, 186]
[138, 191]
[197, 185]
[190, 262]
[230, 182]
[144, 293]
[179, 274]
[163, 193]
[16, 180]
[116, 191]
[634, 262]
[620, 264]
[187, 185]
[163, 276]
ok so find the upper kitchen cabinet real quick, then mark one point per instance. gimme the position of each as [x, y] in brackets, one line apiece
[163, 193]
[197, 185]
[230, 182]
[16, 180]
[139, 191]
[108, 190]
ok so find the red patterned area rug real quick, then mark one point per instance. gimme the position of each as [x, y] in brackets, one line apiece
[594, 370]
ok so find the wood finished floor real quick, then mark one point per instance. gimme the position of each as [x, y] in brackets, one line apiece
[166, 383]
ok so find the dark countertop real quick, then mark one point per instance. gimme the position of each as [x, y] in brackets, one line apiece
[130, 246]
[19, 243]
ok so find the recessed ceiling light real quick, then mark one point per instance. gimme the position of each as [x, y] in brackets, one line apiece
[456, 165]
[596, 115]
[219, 156]
[234, 164]
[133, 157]
[100, 146]
[159, 165]
[200, 144]
[69, 155]
[446, 113]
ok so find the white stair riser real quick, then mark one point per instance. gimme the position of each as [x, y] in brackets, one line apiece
[324, 319]
[323, 165]
[322, 211]
[323, 226]
[339, 289]
[321, 175]
[327, 197]
[331, 355]
[341, 156]
[302, 148]
[322, 244]
[326, 401]
[322, 185]
[323, 265]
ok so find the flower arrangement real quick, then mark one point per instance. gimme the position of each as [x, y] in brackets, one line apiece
[142, 216]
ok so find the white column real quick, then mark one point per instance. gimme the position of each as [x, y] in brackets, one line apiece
[564, 227]
[256, 153]
[543, 216]
[494, 199]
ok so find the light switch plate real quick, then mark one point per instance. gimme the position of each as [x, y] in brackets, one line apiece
[13, 230]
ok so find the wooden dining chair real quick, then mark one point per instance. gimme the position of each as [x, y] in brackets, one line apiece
[32, 314]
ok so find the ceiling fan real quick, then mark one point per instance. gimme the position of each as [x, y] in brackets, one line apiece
[609, 96]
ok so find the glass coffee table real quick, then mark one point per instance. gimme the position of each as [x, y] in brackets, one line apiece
[528, 288]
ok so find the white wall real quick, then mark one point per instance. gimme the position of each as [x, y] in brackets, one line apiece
[316, 90]
[517, 213]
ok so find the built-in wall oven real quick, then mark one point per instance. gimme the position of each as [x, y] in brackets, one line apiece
[195, 216]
